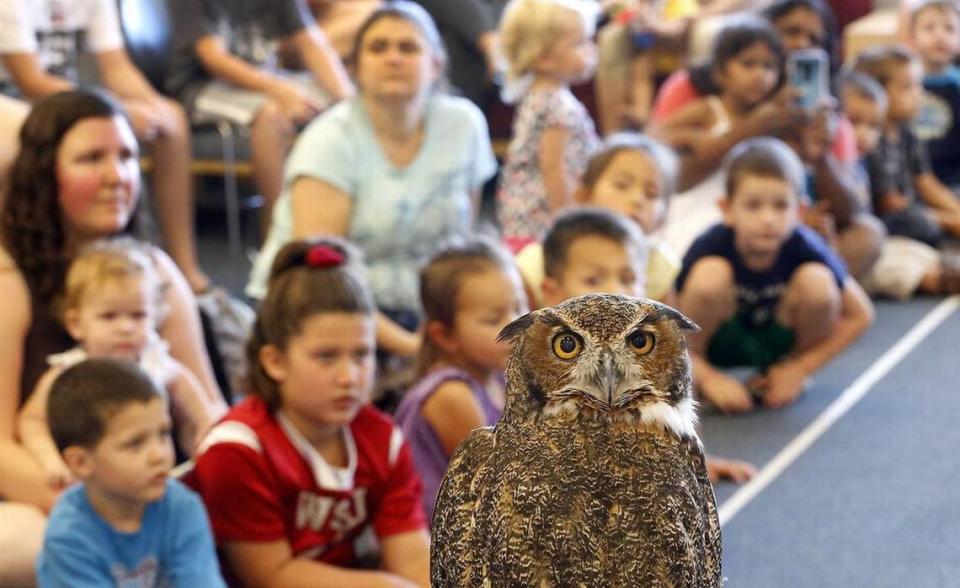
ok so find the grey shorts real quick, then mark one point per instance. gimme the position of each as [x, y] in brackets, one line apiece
[216, 99]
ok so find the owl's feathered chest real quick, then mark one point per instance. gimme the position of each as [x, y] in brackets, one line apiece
[593, 463]
[577, 505]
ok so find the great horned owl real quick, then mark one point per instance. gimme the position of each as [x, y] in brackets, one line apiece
[594, 475]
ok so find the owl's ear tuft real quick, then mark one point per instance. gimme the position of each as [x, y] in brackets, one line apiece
[514, 329]
[682, 322]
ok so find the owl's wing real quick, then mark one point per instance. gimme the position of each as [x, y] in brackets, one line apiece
[712, 541]
[452, 527]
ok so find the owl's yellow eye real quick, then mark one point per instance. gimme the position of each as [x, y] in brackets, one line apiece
[641, 341]
[567, 345]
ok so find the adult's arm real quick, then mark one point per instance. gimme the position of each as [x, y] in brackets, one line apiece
[216, 58]
[32, 80]
[320, 208]
[121, 76]
[12, 114]
[182, 330]
[323, 62]
[21, 479]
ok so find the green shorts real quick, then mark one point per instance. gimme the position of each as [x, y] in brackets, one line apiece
[734, 344]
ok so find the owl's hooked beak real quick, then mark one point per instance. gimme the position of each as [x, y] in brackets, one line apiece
[608, 376]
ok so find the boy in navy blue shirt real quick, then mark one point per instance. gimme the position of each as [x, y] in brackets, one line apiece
[935, 36]
[766, 291]
[128, 523]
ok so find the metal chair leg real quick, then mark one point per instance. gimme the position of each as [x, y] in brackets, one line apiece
[231, 192]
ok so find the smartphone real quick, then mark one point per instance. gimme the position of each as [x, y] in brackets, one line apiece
[808, 72]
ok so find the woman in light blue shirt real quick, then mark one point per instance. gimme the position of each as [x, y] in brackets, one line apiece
[396, 170]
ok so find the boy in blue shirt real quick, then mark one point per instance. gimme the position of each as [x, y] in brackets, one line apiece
[127, 523]
[766, 290]
[935, 36]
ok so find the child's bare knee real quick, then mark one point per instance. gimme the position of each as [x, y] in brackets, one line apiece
[814, 285]
[709, 278]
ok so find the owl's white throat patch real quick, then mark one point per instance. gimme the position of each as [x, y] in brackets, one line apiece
[681, 418]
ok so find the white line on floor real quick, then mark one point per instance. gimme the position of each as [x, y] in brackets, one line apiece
[847, 399]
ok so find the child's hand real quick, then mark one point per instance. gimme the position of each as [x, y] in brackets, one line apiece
[737, 471]
[725, 392]
[818, 134]
[819, 218]
[782, 384]
[57, 473]
[778, 115]
[894, 202]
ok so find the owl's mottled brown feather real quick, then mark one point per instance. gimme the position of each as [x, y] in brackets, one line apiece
[581, 495]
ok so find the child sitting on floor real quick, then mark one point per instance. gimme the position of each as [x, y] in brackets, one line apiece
[303, 478]
[127, 523]
[470, 291]
[766, 291]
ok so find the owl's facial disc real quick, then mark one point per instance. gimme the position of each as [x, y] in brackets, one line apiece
[606, 385]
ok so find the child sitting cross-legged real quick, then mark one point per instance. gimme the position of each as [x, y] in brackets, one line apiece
[127, 523]
[112, 306]
[469, 291]
[766, 291]
[305, 482]
[593, 251]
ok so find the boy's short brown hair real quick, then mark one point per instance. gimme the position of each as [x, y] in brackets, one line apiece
[765, 157]
[881, 62]
[588, 222]
[86, 396]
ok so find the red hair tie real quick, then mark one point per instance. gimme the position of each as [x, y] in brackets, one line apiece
[323, 256]
[625, 16]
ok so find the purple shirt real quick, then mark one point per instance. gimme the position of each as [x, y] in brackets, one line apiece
[428, 455]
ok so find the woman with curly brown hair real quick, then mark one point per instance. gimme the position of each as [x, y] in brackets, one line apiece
[75, 179]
